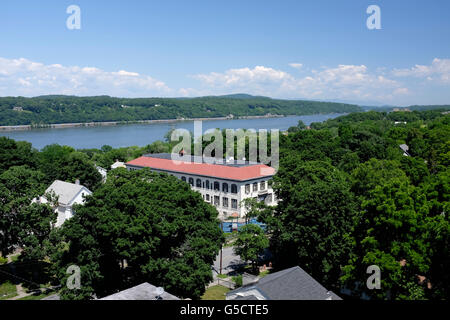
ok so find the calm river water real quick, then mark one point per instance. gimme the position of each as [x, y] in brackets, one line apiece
[143, 134]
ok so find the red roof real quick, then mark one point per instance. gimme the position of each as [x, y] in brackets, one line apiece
[205, 169]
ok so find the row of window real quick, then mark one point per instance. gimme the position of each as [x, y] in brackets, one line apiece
[225, 201]
[211, 185]
[262, 186]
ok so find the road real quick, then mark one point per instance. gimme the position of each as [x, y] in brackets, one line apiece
[230, 261]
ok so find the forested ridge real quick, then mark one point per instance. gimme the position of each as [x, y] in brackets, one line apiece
[71, 109]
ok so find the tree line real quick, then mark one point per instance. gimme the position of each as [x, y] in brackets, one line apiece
[71, 109]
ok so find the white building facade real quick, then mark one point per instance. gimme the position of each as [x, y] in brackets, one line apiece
[224, 186]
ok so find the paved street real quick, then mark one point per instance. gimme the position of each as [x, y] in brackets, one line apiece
[230, 261]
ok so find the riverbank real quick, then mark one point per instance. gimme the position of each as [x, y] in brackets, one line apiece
[114, 123]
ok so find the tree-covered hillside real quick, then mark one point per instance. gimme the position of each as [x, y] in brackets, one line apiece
[69, 109]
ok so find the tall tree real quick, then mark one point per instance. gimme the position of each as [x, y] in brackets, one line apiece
[312, 223]
[23, 223]
[250, 243]
[141, 226]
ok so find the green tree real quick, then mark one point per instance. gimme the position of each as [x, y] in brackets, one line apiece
[389, 233]
[141, 226]
[312, 223]
[23, 223]
[250, 243]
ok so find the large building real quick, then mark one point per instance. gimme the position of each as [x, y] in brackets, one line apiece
[223, 185]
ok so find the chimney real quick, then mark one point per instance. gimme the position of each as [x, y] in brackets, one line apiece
[77, 181]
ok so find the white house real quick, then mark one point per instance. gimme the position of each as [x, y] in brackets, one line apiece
[118, 164]
[223, 185]
[102, 171]
[68, 194]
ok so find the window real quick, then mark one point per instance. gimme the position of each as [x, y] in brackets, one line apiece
[234, 204]
[207, 197]
[262, 185]
[225, 187]
[183, 178]
[199, 183]
[255, 186]
[225, 202]
[268, 198]
[203, 185]
[207, 184]
[191, 181]
[216, 186]
[247, 188]
[216, 200]
[234, 188]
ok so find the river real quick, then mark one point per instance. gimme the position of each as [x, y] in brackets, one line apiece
[142, 134]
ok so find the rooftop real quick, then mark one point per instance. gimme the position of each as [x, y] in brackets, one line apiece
[65, 191]
[289, 284]
[238, 170]
[144, 291]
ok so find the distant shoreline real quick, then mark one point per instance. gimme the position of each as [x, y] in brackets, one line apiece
[113, 123]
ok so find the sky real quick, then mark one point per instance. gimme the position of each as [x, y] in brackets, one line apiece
[318, 50]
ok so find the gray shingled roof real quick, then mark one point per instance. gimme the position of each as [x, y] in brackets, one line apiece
[144, 291]
[65, 191]
[289, 284]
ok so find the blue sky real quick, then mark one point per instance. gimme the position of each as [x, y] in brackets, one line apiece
[318, 49]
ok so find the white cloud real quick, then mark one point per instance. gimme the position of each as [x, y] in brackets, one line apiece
[341, 82]
[28, 78]
[296, 65]
[438, 70]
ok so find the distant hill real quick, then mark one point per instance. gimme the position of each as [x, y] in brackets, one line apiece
[54, 109]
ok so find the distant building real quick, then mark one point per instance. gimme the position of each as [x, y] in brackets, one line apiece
[102, 171]
[68, 194]
[405, 149]
[118, 164]
[223, 185]
[20, 109]
[401, 110]
[289, 284]
[144, 291]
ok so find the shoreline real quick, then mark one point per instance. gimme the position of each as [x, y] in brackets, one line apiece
[114, 123]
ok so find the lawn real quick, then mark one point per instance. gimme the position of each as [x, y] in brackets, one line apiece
[215, 293]
[37, 296]
[7, 290]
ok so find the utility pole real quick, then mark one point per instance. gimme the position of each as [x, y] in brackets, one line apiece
[221, 248]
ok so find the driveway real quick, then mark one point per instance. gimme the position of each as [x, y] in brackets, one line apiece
[230, 262]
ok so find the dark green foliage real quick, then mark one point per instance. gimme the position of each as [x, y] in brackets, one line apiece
[311, 225]
[14, 153]
[165, 232]
[21, 222]
[70, 109]
[250, 243]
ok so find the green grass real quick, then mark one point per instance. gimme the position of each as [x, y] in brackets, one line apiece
[15, 258]
[37, 296]
[222, 276]
[7, 290]
[264, 273]
[215, 293]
